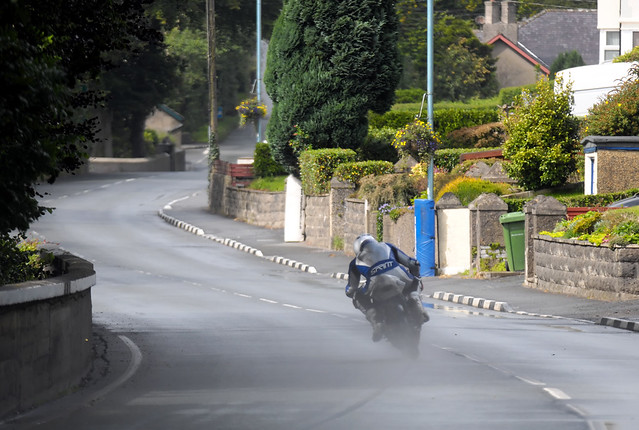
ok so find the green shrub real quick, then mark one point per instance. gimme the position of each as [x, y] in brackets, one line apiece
[543, 136]
[507, 95]
[447, 120]
[597, 200]
[480, 136]
[392, 119]
[318, 165]
[614, 228]
[632, 55]
[263, 163]
[377, 145]
[353, 172]
[398, 189]
[411, 95]
[618, 113]
[21, 261]
[447, 159]
[468, 189]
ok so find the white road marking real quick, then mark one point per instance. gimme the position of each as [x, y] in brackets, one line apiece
[286, 305]
[136, 360]
[557, 393]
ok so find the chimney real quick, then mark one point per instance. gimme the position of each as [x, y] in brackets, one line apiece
[508, 12]
[493, 11]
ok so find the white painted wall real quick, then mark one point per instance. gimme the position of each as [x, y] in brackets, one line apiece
[293, 226]
[453, 241]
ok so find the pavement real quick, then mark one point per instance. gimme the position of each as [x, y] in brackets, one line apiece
[504, 294]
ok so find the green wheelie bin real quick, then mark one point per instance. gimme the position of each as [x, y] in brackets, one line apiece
[515, 240]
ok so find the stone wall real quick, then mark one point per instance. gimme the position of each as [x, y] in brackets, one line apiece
[581, 268]
[317, 212]
[401, 233]
[45, 336]
[260, 208]
[357, 220]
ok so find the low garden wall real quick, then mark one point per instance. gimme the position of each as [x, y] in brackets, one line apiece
[584, 269]
[45, 335]
[260, 208]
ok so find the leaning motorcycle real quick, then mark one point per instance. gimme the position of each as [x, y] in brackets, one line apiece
[401, 325]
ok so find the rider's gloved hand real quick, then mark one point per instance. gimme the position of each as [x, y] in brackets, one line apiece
[414, 269]
[350, 292]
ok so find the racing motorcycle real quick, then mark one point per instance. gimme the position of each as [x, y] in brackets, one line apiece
[401, 325]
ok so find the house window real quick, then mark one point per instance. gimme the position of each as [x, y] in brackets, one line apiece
[635, 38]
[612, 38]
[610, 54]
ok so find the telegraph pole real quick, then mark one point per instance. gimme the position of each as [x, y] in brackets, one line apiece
[258, 32]
[214, 151]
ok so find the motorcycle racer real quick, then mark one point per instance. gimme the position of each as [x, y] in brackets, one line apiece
[386, 270]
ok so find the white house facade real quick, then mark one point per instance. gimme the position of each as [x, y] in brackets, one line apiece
[618, 25]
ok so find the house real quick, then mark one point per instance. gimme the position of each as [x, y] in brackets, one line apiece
[166, 121]
[526, 49]
[618, 25]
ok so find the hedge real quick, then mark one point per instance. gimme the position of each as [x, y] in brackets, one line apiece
[445, 120]
[318, 165]
[353, 172]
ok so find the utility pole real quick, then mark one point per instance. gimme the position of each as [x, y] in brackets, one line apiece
[258, 31]
[214, 149]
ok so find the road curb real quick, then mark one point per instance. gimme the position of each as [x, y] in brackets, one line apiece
[476, 302]
[620, 323]
[292, 263]
[199, 232]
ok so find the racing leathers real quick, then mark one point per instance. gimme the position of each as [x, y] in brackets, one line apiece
[386, 270]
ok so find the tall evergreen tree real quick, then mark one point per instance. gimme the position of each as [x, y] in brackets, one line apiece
[328, 64]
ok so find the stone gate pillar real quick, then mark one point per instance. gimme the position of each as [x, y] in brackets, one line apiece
[340, 191]
[485, 228]
[542, 214]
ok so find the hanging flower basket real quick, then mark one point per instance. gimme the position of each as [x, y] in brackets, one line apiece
[250, 110]
[416, 139]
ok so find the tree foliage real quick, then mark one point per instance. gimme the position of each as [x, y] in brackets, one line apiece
[50, 50]
[464, 67]
[328, 64]
[566, 60]
[618, 113]
[543, 136]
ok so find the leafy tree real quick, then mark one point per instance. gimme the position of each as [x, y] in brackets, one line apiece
[543, 136]
[141, 80]
[49, 50]
[632, 55]
[566, 60]
[464, 67]
[328, 64]
[618, 113]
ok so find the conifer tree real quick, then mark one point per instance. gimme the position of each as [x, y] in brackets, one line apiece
[328, 64]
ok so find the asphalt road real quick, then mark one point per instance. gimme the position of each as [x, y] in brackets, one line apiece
[191, 334]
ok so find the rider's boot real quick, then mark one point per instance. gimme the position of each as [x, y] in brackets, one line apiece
[372, 317]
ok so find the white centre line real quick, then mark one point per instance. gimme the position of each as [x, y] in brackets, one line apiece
[267, 300]
[286, 305]
[557, 393]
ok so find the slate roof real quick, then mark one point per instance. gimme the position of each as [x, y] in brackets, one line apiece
[551, 32]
